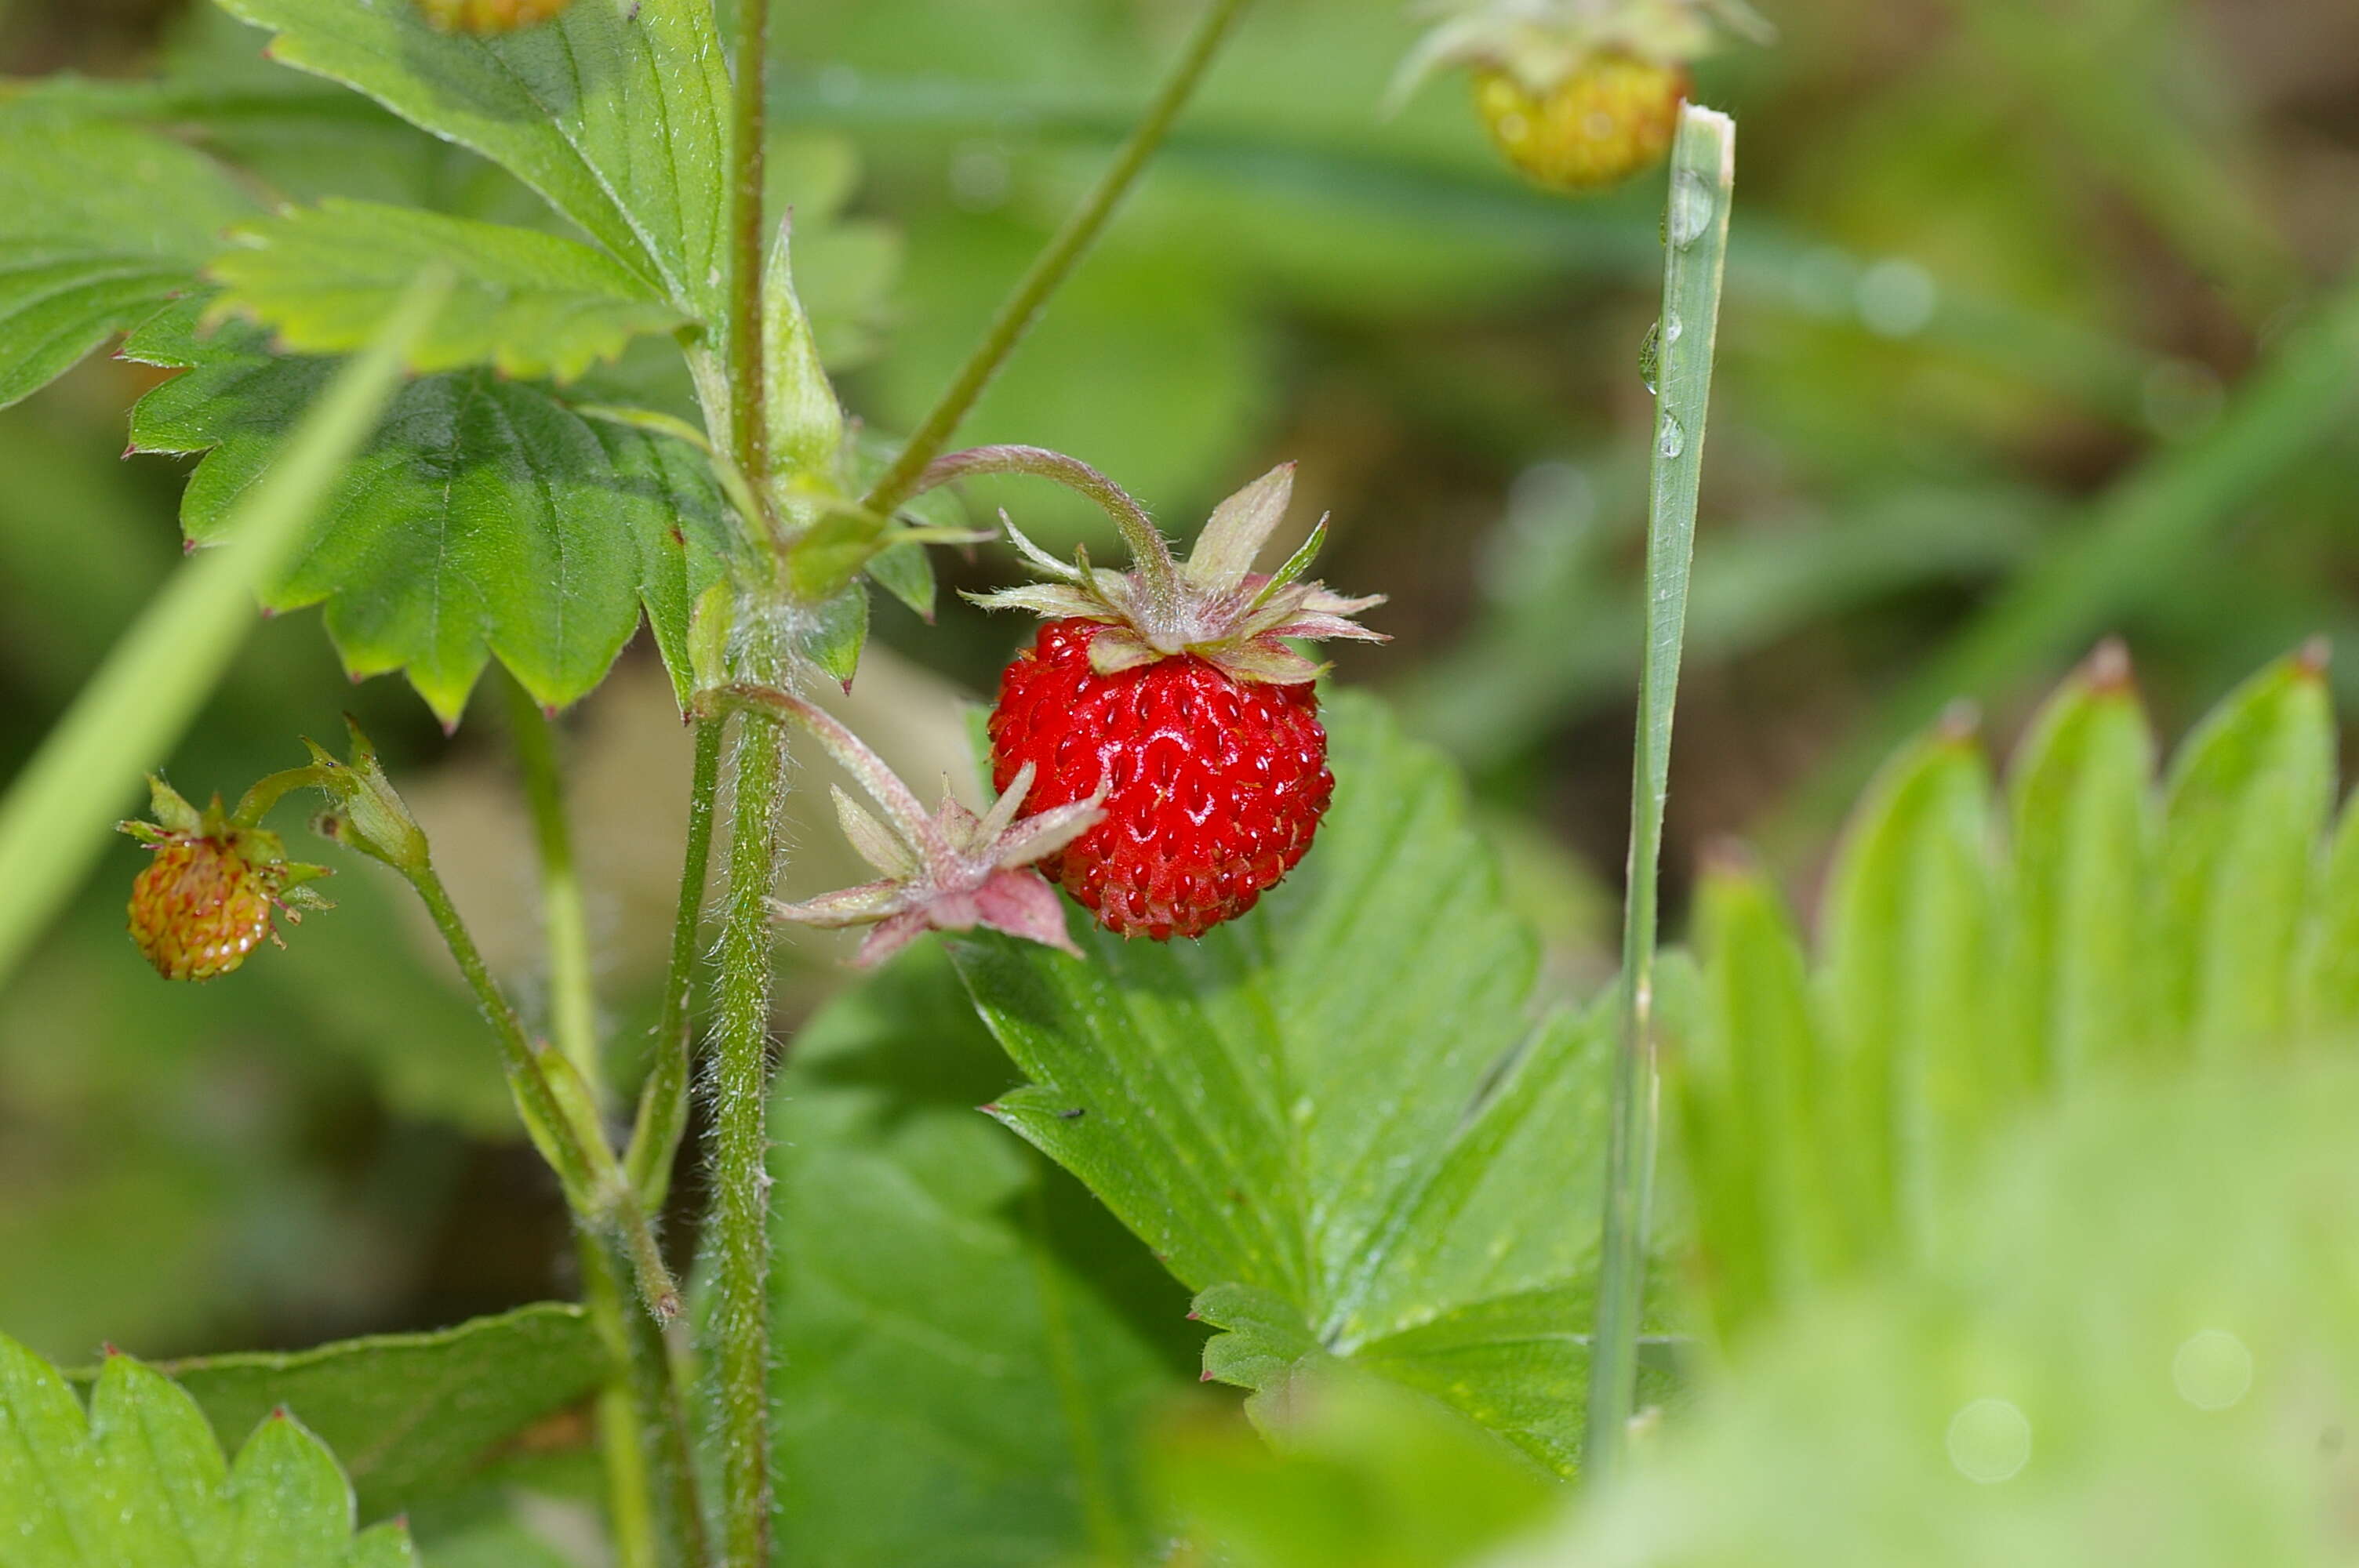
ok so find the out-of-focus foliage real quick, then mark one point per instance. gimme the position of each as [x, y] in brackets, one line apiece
[1976, 959]
[2134, 1341]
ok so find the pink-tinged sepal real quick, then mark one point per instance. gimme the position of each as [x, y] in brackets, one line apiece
[1022, 904]
[1214, 607]
[949, 871]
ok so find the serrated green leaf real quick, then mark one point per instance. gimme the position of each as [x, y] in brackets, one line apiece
[2247, 798]
[99, 224]
[1760, 1108]
[1910, 941]
[2079, 800]
[2329, 986]
[413, 1414]
[616, 114]
[486, 517]
[957, 1321]
[2139, 1341]
[142, 1485]
[1339, 1101]
[526, 304]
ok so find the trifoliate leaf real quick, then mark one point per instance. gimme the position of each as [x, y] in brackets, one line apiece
[98, 225]
[486, 517]
[527, 304]
[1336, 1116]
[617, 113]
[142, 1481]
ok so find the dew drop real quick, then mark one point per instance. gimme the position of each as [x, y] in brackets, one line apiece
[1690, 210]
[1650, 357]
[1672, 326]
[1671, 437]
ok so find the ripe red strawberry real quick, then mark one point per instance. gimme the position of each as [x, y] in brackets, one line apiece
[489, 15]
[1168, 689]
[207, 899]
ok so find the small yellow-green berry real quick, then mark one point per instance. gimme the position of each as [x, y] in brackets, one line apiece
[1611, 118]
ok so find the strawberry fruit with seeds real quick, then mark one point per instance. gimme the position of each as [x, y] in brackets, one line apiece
[1168, 691]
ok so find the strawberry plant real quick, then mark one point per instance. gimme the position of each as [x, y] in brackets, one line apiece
[1206, 1039]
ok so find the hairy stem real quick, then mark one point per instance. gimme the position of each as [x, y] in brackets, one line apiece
[663, 1097]
[1696, 240]
[1049, 269]
[738, 1228]
[740, 1221]
[748, 425]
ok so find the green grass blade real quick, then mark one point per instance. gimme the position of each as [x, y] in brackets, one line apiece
[54, 819]
[1694, 253]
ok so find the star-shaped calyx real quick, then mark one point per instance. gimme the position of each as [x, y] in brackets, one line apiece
[1541, 43]
[946, 871]
[1213, 606]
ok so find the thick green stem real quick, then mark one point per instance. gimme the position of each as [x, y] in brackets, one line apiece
[1049, 269]
[1695, 242]
[739, 1225]
[748, 425]
[663, 1097]
[740, 1222]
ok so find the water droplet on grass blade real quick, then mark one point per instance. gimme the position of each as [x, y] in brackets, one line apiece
[1671, 437]
[1650, 357]
[1690, 210]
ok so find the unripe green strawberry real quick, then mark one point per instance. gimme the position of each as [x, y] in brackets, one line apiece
[1608, 120]
[208, 898]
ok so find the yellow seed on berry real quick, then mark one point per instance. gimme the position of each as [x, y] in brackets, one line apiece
[1608, 120]
[488, 16]
[199, 907]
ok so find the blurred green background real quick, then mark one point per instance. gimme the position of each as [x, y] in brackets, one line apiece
[2042, 325]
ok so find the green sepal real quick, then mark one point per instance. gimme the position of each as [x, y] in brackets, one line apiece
[708, 636]
[835, 632]
[904, 571]
[367, 814]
